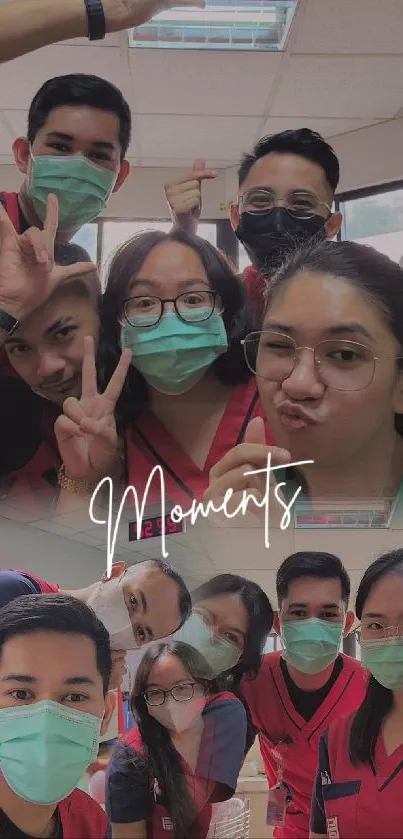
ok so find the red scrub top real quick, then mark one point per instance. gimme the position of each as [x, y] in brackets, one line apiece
[288, 741]
[357, 801]
[150, 444]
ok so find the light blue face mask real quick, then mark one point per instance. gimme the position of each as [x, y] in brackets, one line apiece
[82, 188]
[384, 659]
[219, 654]
[45, 748]
[311, 645]
[173, 355]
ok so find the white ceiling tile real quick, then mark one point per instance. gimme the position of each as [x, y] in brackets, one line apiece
[31, 71]
[196, 136]
[14, 514]
[112, 39]
[351, 26]
[185, 163]
[51, 526]
[348, 86]
[328, 127]
[187, 82]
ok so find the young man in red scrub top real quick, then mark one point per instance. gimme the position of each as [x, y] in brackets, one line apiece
[300, 690]
[286, 191]
[55, 667]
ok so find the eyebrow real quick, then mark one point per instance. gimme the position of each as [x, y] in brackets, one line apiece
[227, 628]
[350, 328]
[374, 615]
[182, 284]
[23, 678]
[143, 600]
[98, 144]
[321, 606]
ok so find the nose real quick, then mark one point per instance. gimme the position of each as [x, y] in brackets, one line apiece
[304, 381]
[49, 363]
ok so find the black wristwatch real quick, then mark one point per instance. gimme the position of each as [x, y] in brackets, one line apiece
[8, 324]
[96, 20]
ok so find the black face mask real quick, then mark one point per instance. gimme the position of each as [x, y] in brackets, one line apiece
[268, 237]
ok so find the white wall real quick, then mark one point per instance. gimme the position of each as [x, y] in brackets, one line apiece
[368, 156]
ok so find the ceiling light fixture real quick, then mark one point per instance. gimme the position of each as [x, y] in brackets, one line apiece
[253, 25]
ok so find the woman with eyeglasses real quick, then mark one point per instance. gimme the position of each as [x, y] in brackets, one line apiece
[181, 757]
[359, 782]
[329, 368]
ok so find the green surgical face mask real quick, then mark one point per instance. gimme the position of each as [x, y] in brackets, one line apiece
[173, 356]
[312, 644]
[384, 660]
[45, 748]
[82, 188]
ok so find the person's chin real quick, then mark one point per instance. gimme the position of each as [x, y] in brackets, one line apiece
[60, 394]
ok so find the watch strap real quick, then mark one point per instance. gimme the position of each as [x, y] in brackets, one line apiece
[8, 323]
[96, 20]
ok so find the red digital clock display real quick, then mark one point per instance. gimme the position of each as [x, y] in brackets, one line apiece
[154, 527]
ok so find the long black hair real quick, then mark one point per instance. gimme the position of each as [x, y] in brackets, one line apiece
[373, 273]
[160, 760]
[378, 700]
[230, 368]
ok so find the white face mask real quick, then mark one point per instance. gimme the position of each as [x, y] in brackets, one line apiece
[109, 605]
[178, 716]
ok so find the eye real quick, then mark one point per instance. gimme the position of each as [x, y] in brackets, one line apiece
[18, 349]
[232, 638]
[141, 635]
[100, 157]
[62, 148]
[22, 695]
[65, 332]
[345, 355]
[374, 626]
[134, 602]
[76, 697]
[329, 616]
[298, 613]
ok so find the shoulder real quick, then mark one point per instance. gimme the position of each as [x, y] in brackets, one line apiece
[269, 666]
[13, 584]
[91, 820]
[226, 707]
[339, 728]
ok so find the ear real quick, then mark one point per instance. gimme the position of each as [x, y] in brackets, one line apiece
[124, 173]
[350, 621]
[110, 705]
[234, 216]
[333, 225]
[21, 154]
[118, 568]
[276, 623]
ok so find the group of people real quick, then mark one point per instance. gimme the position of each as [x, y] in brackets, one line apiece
[330, 727]
[178, 362]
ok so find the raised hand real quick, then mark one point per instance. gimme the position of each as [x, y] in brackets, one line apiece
[86, 431]
[28, 275]
[229, 472]
[184, 194]
[137, 12]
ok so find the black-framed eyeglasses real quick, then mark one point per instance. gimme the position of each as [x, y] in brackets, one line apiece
[299, 204]
[340, 364]
[191, 307]
[181, 693]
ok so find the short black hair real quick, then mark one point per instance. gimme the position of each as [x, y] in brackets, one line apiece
[185, 603]
[303, 142]
[68, 253]
[57, 613]
[83, 90]
[311, 564]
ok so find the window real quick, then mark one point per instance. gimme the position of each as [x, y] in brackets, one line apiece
[376, 220]
[117, 232]
[87, 237]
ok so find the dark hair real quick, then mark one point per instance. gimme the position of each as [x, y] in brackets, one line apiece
[160, 759]
[82, 90]
[260, 613]
[230, 368]
[185, 603]
[319, 564]
[373, 273]
[302, 142]
[377, 703]
[68, 253]
[56, 613]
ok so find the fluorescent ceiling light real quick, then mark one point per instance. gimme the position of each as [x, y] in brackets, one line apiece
[256, 25]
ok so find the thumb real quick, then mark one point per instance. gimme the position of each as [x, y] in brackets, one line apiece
[199, 165]
[255, 432]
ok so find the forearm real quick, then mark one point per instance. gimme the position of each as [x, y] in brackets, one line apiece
[28, 25]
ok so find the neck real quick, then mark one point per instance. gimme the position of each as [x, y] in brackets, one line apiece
[34, 819]
[376, 477]
[203, 395]
[398, 703]
[310, 682]
[27, 209]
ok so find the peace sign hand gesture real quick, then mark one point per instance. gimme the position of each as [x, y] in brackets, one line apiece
[28, 275]
[86, 431]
